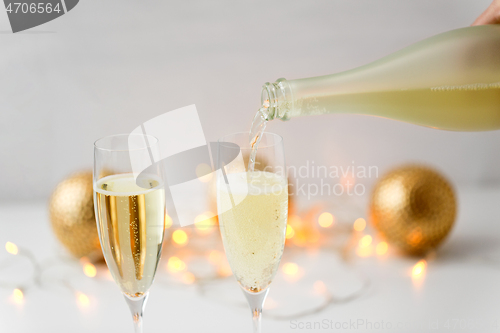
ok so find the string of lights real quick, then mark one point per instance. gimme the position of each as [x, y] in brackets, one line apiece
[203, 262]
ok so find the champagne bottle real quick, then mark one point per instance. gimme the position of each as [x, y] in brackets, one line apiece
[450, 81]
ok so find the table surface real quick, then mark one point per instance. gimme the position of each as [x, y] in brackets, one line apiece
[460, 290]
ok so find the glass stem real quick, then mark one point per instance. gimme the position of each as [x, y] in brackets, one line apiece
[257, 320]
[136, 306]
[256, 302]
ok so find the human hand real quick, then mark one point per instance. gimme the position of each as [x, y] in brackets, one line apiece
[490, 16]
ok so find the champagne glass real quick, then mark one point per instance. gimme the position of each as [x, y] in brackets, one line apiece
[252, 208]
[130, 212]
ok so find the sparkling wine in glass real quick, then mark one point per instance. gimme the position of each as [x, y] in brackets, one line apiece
[253, 208]
[130, 213]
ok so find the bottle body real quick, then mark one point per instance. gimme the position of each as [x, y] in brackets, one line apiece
[450, 81]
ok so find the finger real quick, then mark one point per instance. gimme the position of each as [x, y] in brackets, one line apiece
[490, 16]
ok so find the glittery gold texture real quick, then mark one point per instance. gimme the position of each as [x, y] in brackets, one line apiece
[414, 208]
[72, 216]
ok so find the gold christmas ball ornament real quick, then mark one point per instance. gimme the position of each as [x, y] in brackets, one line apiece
[414, 208]
[72, 215]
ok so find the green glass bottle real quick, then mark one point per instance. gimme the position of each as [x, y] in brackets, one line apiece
[450, 81]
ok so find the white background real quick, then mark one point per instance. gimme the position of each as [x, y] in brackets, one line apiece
[107, 66]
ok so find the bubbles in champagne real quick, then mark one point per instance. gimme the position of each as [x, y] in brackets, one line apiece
[131, 222]
[253, 232]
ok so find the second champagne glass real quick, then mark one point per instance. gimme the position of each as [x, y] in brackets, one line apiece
[130, 213]
[252, 208]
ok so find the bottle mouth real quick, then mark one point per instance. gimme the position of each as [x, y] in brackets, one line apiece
[268, 100]
[265, 95]
[274, 97]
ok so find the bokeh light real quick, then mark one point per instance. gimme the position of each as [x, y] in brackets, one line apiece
[168, 221]
[365, 241]
[204, 222]
[11, 248]
[204, 172]
[215, 257]
[360, 224]
[82, 299]
[89, 270]
[18, 296]
[419, 268]
[290, 268]
[382, 248]
[175, 265]
[326, 220]
[180, 237]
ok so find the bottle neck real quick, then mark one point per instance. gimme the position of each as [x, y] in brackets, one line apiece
[277, 97]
